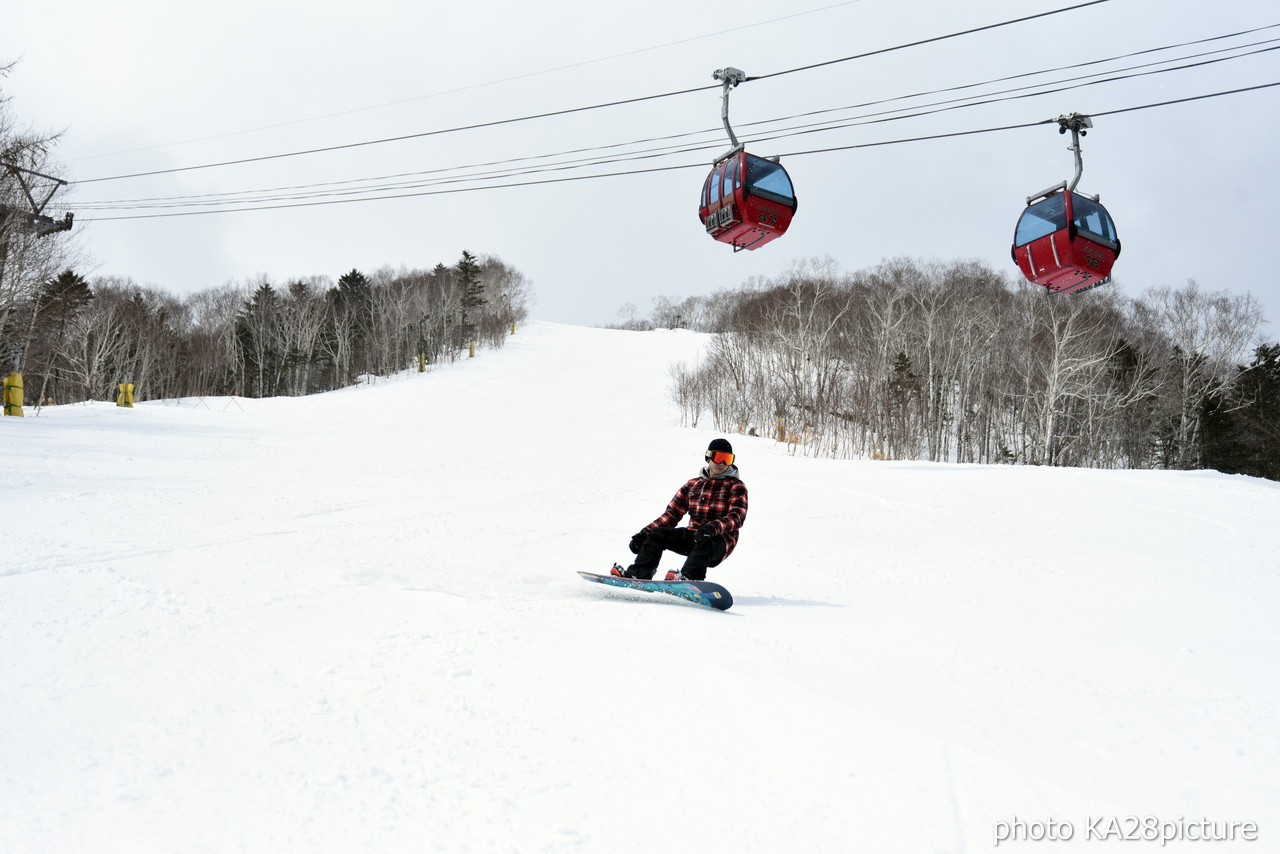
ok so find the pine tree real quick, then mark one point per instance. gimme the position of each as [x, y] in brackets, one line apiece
[472, 296]
[257, 333]
[1242, 428]
[353, 300]
[59, 301]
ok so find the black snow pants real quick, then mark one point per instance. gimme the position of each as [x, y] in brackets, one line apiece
[680, 541]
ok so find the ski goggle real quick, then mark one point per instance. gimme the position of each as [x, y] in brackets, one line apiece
[724, 458]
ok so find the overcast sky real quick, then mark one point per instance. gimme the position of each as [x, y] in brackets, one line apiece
[145, 86]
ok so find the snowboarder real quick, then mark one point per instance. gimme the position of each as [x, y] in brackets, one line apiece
[716, 504]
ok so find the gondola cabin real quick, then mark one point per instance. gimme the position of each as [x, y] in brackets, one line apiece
[1066, 242]
[747, 201]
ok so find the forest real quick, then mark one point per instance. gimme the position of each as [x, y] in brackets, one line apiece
[79, 340]
[956, 362]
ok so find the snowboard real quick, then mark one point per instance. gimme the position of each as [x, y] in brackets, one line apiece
[699, 592]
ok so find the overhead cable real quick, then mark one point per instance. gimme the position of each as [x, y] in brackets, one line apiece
[924, 138]
[570, 110]
[330, 188]
[759, 123]
[932, 40]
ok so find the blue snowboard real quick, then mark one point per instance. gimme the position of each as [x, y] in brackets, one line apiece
[700, 592]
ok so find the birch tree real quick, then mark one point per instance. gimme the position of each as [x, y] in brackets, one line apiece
[1208, 334]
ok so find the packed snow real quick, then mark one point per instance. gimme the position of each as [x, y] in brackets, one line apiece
[352, 623]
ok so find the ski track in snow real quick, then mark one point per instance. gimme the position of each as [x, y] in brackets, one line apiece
[352, 622]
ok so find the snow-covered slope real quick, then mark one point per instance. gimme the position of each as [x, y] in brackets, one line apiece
[352, 622]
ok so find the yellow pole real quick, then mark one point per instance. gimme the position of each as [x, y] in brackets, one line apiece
[422, 363]
[125, 398]
[13, 394]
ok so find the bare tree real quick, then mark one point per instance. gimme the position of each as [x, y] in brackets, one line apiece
[302, 317]
[509, 294]
[95, 344]
[1069, 345]
[1208, 334]
[212, 355]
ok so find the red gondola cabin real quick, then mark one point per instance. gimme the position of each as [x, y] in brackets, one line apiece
[747, 201]
[1066, 242]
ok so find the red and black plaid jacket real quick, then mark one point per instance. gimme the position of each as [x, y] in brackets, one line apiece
[720, 501]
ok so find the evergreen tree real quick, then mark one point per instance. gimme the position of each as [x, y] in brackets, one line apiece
[57, 304]
[353, 288]
[257, 334]
[68, 291]
[353, 299]
[1242, 428]
[902, 402]
[472, 294]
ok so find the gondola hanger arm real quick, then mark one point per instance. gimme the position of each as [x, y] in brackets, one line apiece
[1079, 125]
[731, 77]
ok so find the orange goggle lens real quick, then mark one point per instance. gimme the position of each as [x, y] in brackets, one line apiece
[724, 458]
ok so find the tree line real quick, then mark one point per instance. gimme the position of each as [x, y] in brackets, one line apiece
[75, 339]
[80, 339]
[957, 362]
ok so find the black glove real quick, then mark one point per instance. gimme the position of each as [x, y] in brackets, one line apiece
[703, 535]
[637, 542]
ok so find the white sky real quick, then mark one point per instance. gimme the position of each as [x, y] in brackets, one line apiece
[141, 86]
